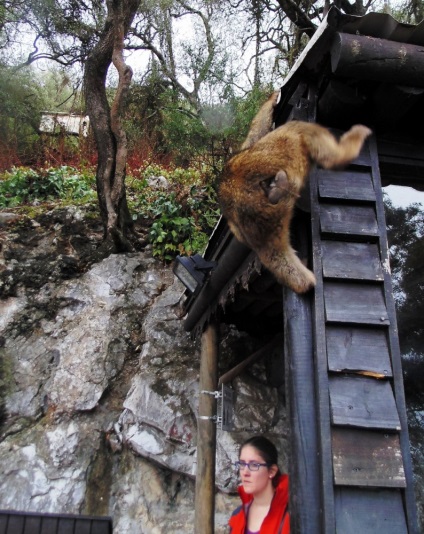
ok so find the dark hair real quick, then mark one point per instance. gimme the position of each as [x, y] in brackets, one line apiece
[267, 450]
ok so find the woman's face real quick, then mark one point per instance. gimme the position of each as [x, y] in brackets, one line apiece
[255, 482]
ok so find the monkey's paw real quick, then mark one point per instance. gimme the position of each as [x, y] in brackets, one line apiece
[360, 131]
[290, 271]
[302, 283]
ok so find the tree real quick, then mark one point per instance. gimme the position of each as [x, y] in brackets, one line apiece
[406, 238]
[192, 58]
[197, 66]
[63, 31]
[107, 121]
[144, 116]
[284, 27]
[405, 228]
[20, 105]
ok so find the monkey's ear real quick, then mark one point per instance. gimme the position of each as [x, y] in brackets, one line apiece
[276, 187]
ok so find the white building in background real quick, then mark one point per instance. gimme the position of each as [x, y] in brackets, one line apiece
[54, 123]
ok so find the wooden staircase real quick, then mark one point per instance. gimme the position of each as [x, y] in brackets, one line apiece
[364, 458]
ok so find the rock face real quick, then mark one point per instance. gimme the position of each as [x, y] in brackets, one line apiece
[100, 396]
[99, 388]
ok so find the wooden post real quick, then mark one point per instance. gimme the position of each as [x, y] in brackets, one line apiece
[204, 504]
[305, 497]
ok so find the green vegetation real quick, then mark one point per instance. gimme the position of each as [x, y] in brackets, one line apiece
[23, 185]
[178, 217]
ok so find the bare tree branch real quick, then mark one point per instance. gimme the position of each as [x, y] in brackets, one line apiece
[298, 16]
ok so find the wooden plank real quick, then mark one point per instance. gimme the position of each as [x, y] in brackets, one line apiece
[3, 523]
[15, 524]
[83, 526]
[363, 160]
[355, 303]
[363, 402]
[49, 525]
[348, 185]
[359, 261]
[348, 220]
[324, 459]
[33, 524]
[67, 525]
[304, 469]
[366, 511]
[367, 458]
[358, 349]
[100, 527]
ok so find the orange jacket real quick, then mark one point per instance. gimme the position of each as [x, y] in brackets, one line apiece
[278, 519]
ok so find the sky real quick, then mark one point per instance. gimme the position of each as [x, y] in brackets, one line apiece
[402, 196]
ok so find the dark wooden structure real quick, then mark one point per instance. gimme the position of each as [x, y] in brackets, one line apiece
[12, 522]
[350, 460]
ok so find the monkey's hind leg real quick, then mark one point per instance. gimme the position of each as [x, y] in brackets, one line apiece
[288, 269]
[332, 154]
[262, 122]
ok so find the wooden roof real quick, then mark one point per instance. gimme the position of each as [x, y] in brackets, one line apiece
[366, 69]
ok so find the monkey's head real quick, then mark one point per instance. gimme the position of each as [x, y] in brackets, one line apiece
[277, 188]
[249, 178]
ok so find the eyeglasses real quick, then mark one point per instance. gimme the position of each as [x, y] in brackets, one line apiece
[253, 466]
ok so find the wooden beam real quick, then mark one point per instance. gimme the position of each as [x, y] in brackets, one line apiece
[207, 299]
[204, 514]
[383, 99]
[401, 162]
[342, 101]
[303, 409]
[409, 494]
[238, 369]
[368, 58]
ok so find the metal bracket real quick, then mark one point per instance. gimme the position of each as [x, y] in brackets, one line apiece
[215, 418]
[216, 394]
[225, 408]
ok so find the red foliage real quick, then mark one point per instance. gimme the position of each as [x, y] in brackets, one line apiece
[8, 157]
[145, 155]
[55, 151]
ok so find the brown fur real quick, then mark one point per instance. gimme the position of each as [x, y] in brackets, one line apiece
[260, 185]
[262, 122]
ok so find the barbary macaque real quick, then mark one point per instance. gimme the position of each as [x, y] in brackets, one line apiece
[260, 185]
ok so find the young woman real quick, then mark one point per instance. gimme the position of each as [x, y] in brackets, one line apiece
[264, 491]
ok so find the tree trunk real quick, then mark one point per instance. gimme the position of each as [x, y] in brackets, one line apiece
[106, 122]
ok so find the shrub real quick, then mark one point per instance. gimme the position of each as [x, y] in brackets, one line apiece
[24, 185]
[180, 219]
